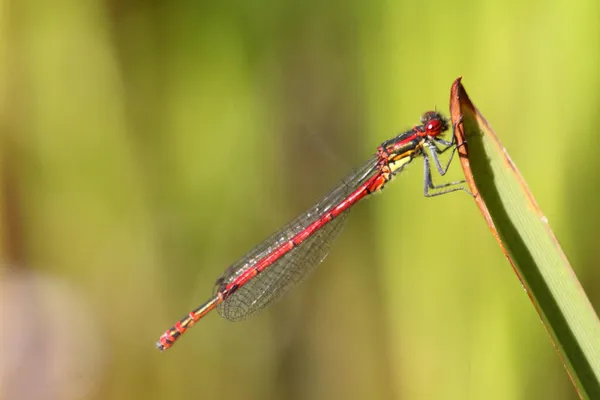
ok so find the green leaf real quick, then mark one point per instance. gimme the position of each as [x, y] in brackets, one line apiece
[529, 244]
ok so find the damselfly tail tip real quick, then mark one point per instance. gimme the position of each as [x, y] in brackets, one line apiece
[163, 344]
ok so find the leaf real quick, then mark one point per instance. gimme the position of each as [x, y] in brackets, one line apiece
[529, 244]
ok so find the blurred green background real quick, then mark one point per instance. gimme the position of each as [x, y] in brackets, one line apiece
[146, 145]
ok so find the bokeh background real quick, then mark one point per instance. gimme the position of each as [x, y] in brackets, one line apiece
[146, 145]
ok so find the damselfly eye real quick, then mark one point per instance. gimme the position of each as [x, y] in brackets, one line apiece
[434, 127]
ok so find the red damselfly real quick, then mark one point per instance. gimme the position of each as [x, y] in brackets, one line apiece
[286, 257]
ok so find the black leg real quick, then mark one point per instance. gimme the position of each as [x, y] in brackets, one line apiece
[434, 154]
[446, 143]
[429, 181]
[437, 146]
[435, 151]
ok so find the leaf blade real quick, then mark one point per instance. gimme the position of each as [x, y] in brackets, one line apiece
[529, 244]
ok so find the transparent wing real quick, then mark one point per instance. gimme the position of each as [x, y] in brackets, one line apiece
[295, 265]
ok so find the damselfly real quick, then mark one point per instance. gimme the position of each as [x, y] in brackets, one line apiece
[286, 257]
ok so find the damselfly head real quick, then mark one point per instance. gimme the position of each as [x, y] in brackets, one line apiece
[434, 123]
